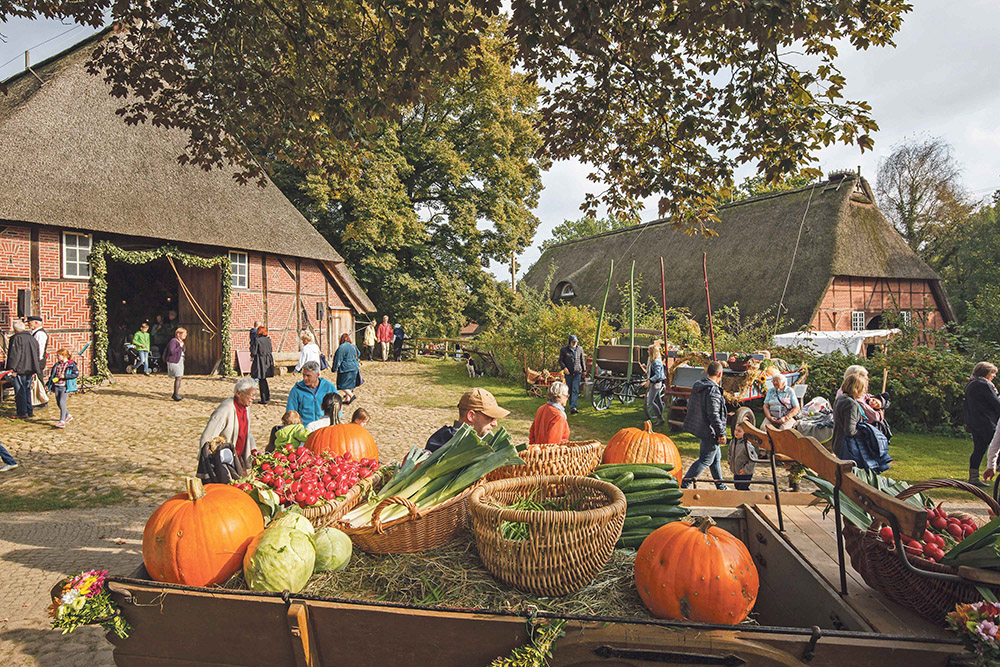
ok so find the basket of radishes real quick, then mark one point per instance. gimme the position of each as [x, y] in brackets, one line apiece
[951, 539]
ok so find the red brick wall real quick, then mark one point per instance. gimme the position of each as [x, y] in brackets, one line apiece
[66, 308]
[873, 296]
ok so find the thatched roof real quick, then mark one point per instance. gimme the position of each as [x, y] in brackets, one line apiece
[69, 161]
[844, 234]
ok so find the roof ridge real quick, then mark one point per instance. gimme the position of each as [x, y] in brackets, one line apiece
[58, 56]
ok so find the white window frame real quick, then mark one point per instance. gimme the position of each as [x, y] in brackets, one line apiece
[858, 321]
[76, 268]
[240, 279]
[906, 317]
[567, 291]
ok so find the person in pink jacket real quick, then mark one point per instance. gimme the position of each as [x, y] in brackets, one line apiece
[384, 336]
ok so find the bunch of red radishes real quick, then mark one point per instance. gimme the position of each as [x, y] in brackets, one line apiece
[300, 477]
[942, 533]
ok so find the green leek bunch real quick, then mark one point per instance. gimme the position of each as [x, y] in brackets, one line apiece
[429, 480]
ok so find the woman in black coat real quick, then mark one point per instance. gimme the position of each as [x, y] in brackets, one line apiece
[982, 409]
[262, 366]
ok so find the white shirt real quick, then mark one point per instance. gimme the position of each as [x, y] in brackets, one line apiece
[991, 453]
[43, 342]
[310, 352]
[319, 423]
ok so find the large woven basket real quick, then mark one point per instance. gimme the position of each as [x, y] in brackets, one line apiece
[324, 515]
[879, 565]
[564, 550]
[420, 530]
[568, 458]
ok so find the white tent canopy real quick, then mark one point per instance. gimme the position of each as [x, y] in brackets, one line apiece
[825, 342]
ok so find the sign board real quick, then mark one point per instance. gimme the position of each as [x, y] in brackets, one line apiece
[243, 361]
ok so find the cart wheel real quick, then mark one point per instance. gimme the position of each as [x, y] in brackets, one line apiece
[630, 390]
[535, 390]
[604, 393]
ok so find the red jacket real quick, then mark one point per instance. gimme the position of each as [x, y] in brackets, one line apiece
[550, 426]
[383, 333]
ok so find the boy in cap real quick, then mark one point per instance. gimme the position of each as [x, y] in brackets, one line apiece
[571, 358]
[477, 408]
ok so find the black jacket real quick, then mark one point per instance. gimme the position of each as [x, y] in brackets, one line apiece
[571, 358]
[22, 354]
[706, 411]
[982, 406]
[262, 355]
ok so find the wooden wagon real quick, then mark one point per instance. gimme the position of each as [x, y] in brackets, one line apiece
[537, 382]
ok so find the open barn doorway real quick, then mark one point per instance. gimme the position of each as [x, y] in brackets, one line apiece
[176, 295]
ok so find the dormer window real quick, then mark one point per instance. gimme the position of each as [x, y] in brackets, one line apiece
[565, 291]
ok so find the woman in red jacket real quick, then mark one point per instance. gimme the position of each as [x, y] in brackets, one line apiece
[550, 426]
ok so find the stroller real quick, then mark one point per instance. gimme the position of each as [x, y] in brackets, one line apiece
[130, 358]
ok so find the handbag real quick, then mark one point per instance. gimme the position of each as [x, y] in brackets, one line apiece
[38, 395]
[322, 362]
[360, 380]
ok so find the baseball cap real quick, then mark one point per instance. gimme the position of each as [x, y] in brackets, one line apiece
[573, 338]
[480, 400]
[33, 318]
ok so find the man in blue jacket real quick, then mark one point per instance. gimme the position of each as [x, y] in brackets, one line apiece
[706, 419]
[571, 358]
[306, 396]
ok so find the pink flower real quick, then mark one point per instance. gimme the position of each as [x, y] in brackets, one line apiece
[987, 630]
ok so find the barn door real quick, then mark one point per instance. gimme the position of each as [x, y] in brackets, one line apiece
[204, 344]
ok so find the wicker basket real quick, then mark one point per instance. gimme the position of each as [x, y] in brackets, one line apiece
[568, 458]
[564, 550]
[422, 529]
[325, 514]
[879, 565]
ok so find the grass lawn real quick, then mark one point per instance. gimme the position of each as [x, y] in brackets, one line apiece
[917, 456]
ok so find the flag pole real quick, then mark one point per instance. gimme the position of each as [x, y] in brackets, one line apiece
[708, 301]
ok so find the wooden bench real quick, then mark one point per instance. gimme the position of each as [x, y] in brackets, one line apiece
[285, 362]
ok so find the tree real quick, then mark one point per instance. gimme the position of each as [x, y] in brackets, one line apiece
[586, 226]
[663, 97]
[919, 190]
[436, 195]
[969, 263]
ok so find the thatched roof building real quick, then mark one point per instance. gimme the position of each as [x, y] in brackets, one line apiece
[850, 264]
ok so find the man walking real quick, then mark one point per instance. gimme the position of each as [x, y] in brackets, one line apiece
[368, 340]
[706, 419]
[571, 358]
[384, 337]
[23, 359]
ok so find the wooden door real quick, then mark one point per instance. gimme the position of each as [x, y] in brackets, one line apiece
[204, 344]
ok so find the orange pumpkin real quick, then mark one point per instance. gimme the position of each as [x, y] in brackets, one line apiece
[343, 438]
[643, 445]
[696, 572]
[198, 538]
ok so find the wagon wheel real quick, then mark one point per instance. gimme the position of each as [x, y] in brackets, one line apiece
[535, 390]
[604, 393]
[630, 390]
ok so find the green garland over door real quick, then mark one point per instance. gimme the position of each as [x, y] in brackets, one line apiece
[104, 250]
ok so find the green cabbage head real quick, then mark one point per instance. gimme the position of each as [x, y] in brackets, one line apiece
[280, 558]
[296, 521]
[333, 549]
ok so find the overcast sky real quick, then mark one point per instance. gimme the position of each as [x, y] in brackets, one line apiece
[938, 81]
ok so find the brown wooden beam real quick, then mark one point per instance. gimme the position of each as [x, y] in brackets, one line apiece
[35, 273]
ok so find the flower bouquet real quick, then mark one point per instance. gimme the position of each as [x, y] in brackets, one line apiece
[85, 601]
[976, 625]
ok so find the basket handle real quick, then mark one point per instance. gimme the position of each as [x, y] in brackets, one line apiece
[930, 484]
[391, 500]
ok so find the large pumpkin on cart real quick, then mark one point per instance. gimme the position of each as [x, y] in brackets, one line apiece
[696, 572]
[341, 439]
[643, 445]
[198, 538]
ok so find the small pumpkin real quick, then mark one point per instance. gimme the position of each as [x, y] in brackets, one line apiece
[643, 445]
[342, 439]
[199, 537]
[696, 572]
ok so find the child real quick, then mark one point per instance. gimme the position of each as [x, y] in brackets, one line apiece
[360, 417]
[62, 380]
[333, 408]
[291, 431]
[141, 342]
[742, 453]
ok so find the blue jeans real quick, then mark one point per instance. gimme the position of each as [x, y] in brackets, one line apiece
[6, 458]
[654, 401]
[22, 394]
[709, 456]
[61, 395]
[143, 361]
[573, 380]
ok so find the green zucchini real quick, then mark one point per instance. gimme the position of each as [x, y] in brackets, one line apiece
[632, 466]
[661, 495]
[656, 509]
[636, 521]
[649, 484]
[632, 539]
[623, 479]
[658, 521]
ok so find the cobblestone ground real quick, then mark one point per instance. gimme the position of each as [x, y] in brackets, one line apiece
[129, 442]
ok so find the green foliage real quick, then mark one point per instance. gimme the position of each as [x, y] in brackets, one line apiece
[735, 332]
[586, 226]
[756, 186]
[656, 97]
[438, 195]
[682, 331]
[104, 250]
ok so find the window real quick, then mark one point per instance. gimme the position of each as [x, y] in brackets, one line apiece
[240, 262]
[76, 255]
[906, 317]
[858, 320]
[566, 291]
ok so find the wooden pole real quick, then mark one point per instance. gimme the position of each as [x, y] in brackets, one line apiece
[708, 301]
[631, 320]
[600, 323]
[663, 294]
[885, 378]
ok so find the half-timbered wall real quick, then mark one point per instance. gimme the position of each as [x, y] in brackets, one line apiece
[873, 296]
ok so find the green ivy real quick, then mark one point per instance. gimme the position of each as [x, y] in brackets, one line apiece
[104, 250]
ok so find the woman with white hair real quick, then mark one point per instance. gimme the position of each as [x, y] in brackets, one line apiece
[310, 350]
[550, 426]
[231, 421]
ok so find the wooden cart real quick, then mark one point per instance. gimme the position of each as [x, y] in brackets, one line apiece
[537, 382]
